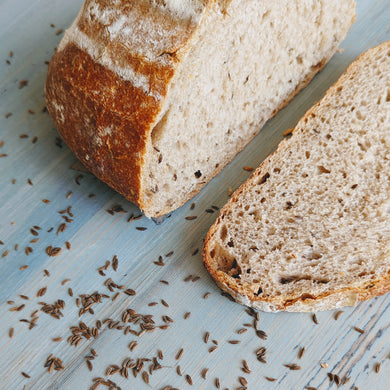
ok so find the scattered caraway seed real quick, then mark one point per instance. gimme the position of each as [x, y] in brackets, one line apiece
[204, 372]
[164, 303]
[179, 354]
[269, 379]
[50, 251]
[212, 349]
[26, 375]
[311, 388]
[188, 379]
[377, 367]
[338, 314]
[141, 228]
[234, 341]
[243, 381]
[205, 296]
[324, 365]
[53, 363]
[78, 178]
[292, 366]
[217, 383]
[89, 364]
[301, 352]
[359, 329]
[145, 377]
[337, 380]
[245, 367]
[115, 263]
[11, 333]
[23, 83]
[41, 292]
[178, 370]
[261, 334]
[315, 320]
[187, 315]
[206, 337]
[133, 345]
[248, 169]
[195, 252]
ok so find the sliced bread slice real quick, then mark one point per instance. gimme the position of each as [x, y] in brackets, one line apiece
[310, 229]
[156, 97]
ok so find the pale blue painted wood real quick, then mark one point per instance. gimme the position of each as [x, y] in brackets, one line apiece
[96, 236]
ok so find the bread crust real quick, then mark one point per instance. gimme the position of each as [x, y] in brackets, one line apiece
[348, 296]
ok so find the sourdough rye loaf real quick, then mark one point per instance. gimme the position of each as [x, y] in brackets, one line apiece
[310, 229]
[155, 97]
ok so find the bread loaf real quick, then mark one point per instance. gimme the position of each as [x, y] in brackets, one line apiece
[310, 229]
[155, 97]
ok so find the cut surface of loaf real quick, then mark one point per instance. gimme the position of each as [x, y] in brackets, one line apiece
[310, 229]
[156, 97]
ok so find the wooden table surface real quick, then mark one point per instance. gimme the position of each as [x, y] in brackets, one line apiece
[59, 226]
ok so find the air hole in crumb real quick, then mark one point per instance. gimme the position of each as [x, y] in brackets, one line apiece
[198, 174]
[299, 60]
[307, 154]
[263, 179]
[235, 270]
[231, 243]
[296, 278]
[322, 169]
[262, 200]
[259, 291]
[212, 253]
[223, 233]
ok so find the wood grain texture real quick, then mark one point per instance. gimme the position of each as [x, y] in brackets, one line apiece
[96, 236]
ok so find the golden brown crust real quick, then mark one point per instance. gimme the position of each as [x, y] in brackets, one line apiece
[87, 102]
[346, 296]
